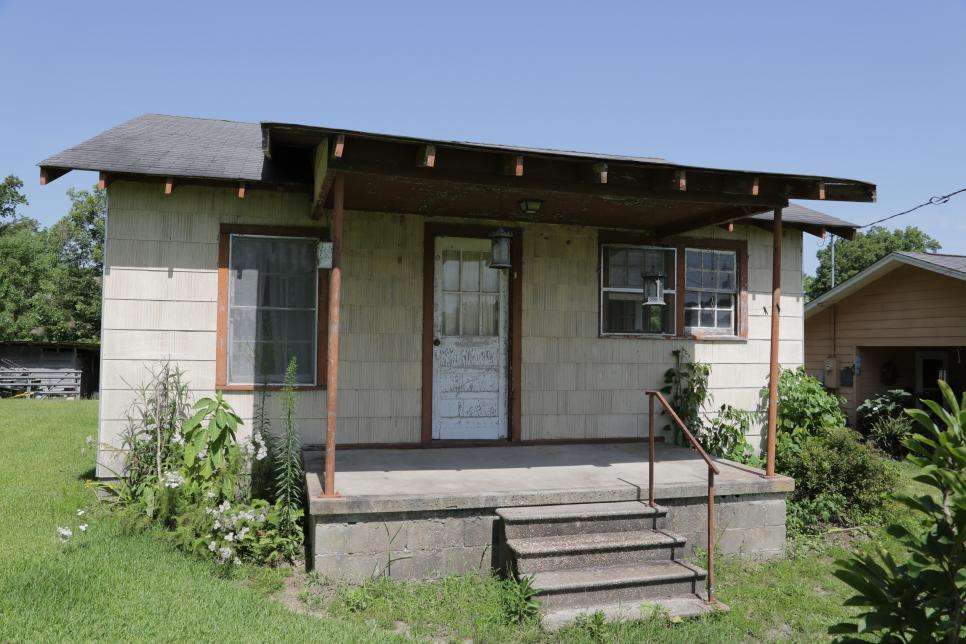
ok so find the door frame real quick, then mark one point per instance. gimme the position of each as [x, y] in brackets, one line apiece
[929, 354]
[431, 231]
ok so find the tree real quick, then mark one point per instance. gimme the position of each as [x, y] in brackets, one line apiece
[50, 280]
[862, 251]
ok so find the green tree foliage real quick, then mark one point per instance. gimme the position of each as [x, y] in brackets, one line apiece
[920, 596]
[862, 251]
[50, 280]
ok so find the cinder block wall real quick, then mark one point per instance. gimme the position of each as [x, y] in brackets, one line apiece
[160, 299]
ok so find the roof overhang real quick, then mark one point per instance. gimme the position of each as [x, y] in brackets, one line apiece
[874, 272]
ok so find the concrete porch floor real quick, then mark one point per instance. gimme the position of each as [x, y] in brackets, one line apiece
[454, 478]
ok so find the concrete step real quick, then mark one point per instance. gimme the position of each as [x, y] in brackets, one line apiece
[580, 518]
[634, 583]
[539, 554]
[683, 607]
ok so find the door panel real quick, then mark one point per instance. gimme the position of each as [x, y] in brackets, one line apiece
[470, 323]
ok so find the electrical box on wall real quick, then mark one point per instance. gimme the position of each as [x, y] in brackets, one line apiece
[830, 374]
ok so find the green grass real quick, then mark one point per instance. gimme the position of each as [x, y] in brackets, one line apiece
[111, 584]
[118, 583]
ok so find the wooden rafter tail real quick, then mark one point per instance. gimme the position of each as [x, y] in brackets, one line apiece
[821, 190]
[427, 156]
[754, 186]
[338, 146]
[103, 181]
[241, 191]
[513, 166]
[600, 172]
[169, 185]
[51, 174]
[681, 180]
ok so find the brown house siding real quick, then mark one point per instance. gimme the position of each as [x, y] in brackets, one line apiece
[908, 307]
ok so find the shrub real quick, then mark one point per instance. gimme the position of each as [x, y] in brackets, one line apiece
[804, 404]
[889, 433]
[838, 478]
[890, 404]
[922, 598]
[686, 385]
[724, 435]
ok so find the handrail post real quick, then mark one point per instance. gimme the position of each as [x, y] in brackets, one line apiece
[710, 535]
[650, 464]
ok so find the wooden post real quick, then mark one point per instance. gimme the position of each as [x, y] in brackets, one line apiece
[776, 296]
[650, 447]
[332, 355]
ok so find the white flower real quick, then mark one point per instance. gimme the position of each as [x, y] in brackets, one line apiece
[243, 532]
[81, 512]
[261, 453]
[177, 439]
[82, 527]
[237, 561]
[212, 546]
[172, 479]
[230, 536]
[225, 506]
[217, 525]
[225, 554]
[64, 534]
[203, 453]
[90, 441]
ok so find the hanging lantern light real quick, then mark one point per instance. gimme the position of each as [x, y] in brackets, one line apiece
[653, 290]
[500, 248]
[530, 206]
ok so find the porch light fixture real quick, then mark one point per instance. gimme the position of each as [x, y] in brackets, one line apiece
[653, 290]
[530, 206]
[500, 248]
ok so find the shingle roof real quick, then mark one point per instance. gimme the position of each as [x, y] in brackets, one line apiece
[175, 146]
[796, 214]
[949, 265]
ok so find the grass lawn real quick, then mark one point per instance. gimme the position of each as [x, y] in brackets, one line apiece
[114, 583]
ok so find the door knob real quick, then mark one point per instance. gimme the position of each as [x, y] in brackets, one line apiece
[435, 342]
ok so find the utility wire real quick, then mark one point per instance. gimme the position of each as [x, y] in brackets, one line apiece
[933, 201]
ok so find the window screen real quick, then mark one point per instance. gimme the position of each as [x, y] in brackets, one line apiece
[622, 298]
[273, 300]
[710, 290]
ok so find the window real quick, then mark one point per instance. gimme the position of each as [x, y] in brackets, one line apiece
[622, 298]
[273, 287]
[710, 290]
[471, 291]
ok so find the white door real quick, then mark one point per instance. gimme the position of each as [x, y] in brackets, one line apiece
[469, 343]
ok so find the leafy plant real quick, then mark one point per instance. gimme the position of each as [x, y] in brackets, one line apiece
[289, 475]
[841, 479]
[519, 602]
[593, 626]
[212, 459]
[923, 597]
[686, 385]
[263, 469]
[724, 435]
[889, 433]
[890, 404]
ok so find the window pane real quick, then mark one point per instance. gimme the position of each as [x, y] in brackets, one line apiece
[272, 314]
[692, 278]
[707, 260]
[470, 314]
[691, 317]
[723, 319]
[726, 281]
[635, 267]
[707, 300]
[451, 270]
[726, 261]
[451, 314]
[491, 316]
[707, 318]
[470, 272]
[725, 300]
[707, 279]
[617, 268]
[625, 313]
[691, 299]
[692, 259]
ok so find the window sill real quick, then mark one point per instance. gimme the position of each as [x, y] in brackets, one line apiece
[713, 337]
[267, 387]
[697, 337]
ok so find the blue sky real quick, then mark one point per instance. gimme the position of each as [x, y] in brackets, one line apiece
[868, 90]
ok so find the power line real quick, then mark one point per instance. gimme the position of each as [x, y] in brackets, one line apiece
[933, 201]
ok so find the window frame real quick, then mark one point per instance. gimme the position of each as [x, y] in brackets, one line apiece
[601, 289]
[734, 293]
[680, 244]
[225, 234]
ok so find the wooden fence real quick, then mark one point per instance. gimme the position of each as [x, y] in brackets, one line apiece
[40, 383]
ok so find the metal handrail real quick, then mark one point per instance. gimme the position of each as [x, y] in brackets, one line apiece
[712, 470]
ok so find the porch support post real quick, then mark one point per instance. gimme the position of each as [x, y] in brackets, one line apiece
[332, 354]
[776, 296]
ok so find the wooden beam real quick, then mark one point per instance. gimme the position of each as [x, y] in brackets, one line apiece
[600, 172]
[241, 191]
[48, 174]
[681, 180]
[103, 180]
[427, 156]
[322, 179]
[513, 166]
[168, 186]
[710, 218]
[754, 186]
[338, 147]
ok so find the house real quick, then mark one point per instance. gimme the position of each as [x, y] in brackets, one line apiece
[49, 369]
[899, 324]
[475, 326]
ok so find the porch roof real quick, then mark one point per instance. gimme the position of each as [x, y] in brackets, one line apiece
[428, 479]
[386, 172]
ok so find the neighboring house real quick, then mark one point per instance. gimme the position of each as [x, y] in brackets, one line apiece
[899, 324]
[49, 369]
[480, 295]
